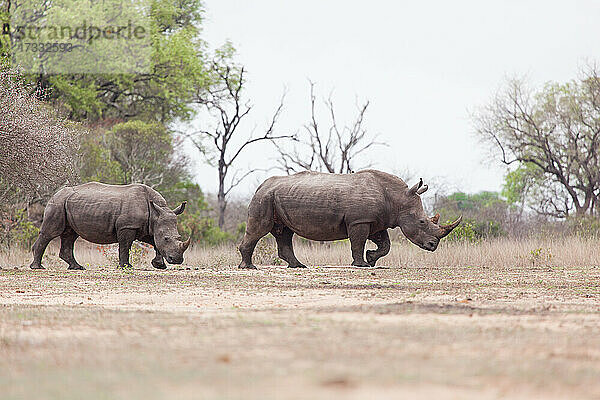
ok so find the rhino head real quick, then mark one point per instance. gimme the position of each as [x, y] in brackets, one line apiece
[164, 229]
[423, 231]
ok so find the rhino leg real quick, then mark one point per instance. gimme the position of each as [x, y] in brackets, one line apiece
[382, 240]
[358, 235]
[125, 237]
[67, 243]
[256, 228]
[53, 226]
[285, 250]
[158, 262]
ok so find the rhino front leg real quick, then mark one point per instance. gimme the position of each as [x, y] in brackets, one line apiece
[158, 262]
[125, 237]
[256, 228]
[358, 235]
[382, 240]
[285, 250]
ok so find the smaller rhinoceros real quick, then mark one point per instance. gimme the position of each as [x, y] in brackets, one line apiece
[358, 206]
[104, 214]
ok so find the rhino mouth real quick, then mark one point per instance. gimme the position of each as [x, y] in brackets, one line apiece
[174, 260]
[430, 246]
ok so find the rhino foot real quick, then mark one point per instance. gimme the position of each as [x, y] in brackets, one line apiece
[36, 266]
[76, 267]
[361, 264]
[247, 266]
[297, 266]
[159, 265]
[370, 259]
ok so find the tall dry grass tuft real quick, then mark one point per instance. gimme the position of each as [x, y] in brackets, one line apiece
[496, 253]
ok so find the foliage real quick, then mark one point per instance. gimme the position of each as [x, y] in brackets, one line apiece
[38, 147]
[465, 232]
[484, 214]
[202, 230]
[134, 152]
[540, 256]
[552, 136]
[162, 93]
[16, 228]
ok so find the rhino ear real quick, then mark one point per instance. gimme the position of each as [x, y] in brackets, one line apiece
[179, 210]
[413, 190]
[155, 207]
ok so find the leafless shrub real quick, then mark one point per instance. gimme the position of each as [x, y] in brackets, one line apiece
[334, 149]
[38, 148]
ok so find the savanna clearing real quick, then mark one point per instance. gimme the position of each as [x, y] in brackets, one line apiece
[501, 318]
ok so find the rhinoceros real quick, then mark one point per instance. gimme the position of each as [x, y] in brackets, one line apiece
[324, 207]
[104, 214]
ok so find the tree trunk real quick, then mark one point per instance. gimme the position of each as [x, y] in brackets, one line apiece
[222, 204]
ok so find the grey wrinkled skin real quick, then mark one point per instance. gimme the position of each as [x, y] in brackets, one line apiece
[358, 206]
[104, 214]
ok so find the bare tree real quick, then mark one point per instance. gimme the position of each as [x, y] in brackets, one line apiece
[38, 148]
[555, 135]
[224, 102]
[332, 149]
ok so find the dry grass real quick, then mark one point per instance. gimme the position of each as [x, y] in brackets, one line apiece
[535, 252]
[549, 252]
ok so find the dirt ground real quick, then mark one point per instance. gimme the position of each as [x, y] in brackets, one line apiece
[320, 333]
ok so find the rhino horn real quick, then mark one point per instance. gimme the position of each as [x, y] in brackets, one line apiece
[186, 244]
[422, 189]
[413, 190]
[446, 229]
[435, 219]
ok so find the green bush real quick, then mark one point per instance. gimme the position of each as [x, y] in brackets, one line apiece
[465, 232]
[19, 230]
[202, 230]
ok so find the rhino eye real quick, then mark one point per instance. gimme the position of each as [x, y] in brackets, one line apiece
[422, 222]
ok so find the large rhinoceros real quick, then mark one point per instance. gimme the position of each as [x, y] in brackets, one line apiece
[324, 207]
[106, 214]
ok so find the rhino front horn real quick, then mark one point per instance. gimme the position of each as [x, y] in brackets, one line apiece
[186, 244]
[446, 229]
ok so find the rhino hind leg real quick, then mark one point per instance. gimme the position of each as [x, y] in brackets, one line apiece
[285, 250]
[67, 243]
[358, 235]
[382, 240]
[53, 225]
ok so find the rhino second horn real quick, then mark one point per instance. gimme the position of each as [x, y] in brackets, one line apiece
[435, 219]
[423, 189]
[446, 229]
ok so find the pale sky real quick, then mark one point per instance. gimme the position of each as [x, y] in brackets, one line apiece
[423, 65]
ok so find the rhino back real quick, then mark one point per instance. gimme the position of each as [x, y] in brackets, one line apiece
[96, 211]
[320, 206]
